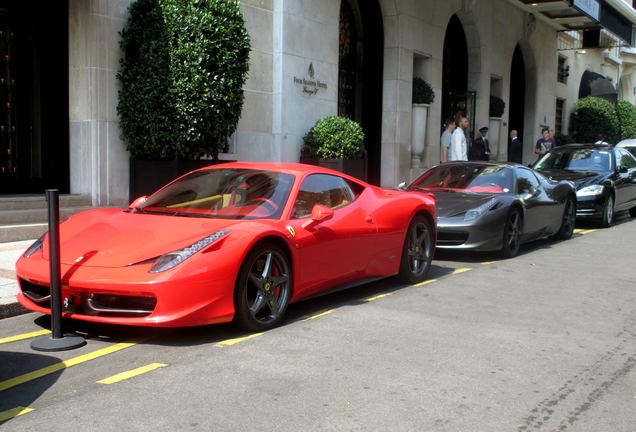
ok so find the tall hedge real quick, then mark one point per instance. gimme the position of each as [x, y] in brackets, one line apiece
[185, 63]
[593, 117]
[627, 118]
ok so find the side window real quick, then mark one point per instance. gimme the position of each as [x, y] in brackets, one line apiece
[526, 181]
[627, 160]
[328, 190]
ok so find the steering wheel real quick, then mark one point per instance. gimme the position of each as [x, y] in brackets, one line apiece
[264, 202]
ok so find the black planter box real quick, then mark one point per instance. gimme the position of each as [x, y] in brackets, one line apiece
[354, 167]
[148, 175]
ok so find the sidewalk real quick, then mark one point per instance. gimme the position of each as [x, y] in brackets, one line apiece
[9, 254]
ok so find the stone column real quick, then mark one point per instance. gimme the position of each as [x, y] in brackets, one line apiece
[98, 158]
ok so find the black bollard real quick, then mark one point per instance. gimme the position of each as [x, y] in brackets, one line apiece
[57, 340]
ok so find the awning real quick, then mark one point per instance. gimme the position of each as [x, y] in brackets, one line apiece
[595, 84]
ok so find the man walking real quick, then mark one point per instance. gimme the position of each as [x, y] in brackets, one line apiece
[515, 154]
[445, 140]
[544, 144]
[458, 148]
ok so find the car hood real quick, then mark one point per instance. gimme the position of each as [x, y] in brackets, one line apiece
[579, 178]
[116, 238]
[452, 203]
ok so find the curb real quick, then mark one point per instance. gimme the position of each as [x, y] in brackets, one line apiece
[12, 309]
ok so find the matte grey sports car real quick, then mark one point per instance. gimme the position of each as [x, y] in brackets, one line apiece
[496, 206]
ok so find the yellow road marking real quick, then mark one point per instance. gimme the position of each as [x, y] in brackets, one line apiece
[488, 262]
[14, 412]
[588, 231]
[30, 376]
[131, 373]
[318, 315]
[378, 297]
[461, 270]
[234, 341]
[426, 282]
[24, 336]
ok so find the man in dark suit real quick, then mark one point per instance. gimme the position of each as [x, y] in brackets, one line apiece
[515, 153]
[480, 150]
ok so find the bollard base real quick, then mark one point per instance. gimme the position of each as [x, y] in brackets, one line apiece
[65, 343]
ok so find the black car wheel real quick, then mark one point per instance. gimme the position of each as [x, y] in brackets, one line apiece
[608, 211]
[632, 212]
[417, 252]
[263, 288]
[569, 219]
[512, 234]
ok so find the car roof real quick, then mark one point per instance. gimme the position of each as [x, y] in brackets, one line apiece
[583, 146]
[493, 163]
[296, 169]
[627, 143]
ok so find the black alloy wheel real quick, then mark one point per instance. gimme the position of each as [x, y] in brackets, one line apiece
[608, 211]
[569, 220]
[417, 252]
[512, 234]
[263, 288]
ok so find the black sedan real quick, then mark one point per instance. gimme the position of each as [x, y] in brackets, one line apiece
[496, 206]
[604, 176]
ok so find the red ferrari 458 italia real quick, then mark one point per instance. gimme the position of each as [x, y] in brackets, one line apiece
[233, 241]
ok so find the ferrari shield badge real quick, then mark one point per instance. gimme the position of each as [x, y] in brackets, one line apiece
[292, 231]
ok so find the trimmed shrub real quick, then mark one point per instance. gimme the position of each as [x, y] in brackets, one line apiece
[593, 117]
[184, 66]
[497, 106]
[627, 119]
[422, 92]
[334, 137]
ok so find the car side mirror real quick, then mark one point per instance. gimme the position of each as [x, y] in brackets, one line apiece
[402, 186]
[136, 203]
[319, 214]
[622, 169]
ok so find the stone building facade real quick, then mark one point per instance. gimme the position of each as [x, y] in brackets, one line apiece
[313, 58]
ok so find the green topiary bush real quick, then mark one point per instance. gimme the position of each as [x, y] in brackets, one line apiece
[627, 119]
[184, 66]
[334, 137]
[593, 117]
[422, 92]
[497, 106]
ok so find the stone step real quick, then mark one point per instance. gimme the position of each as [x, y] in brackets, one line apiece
[35, 215]
[24, 202]
[17, 232]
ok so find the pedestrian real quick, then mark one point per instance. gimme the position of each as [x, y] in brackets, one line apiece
[544, 144]
[445, 140]
[553, 138]
[458, 147]
[480, 150]
[516, 149]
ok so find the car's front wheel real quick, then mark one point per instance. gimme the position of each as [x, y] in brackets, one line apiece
[608, 211]
[632, 212]
[263, 288]
[512, 234]
[417, 252]
[568, 221]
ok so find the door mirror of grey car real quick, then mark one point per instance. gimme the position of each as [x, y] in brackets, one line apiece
[622, 169]
[136, 203]
[402, 186]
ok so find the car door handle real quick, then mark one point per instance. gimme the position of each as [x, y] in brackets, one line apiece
[368, 219]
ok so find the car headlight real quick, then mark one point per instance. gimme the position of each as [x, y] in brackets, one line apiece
[172, 259]
[590, 191]
[477, 212]
[36, 246]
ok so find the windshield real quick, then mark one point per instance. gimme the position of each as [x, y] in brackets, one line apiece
[576, 160]
[466, 177]
[223, 193]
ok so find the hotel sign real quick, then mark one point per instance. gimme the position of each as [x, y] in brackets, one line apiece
[591, 8]
[310, 84]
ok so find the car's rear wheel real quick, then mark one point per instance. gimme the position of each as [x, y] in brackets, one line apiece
[512, 234]
[417, 252]
[608, 211]
[568, 221]
[263, 288]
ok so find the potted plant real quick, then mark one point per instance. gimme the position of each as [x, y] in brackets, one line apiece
[495, 111]
[337, 143]
[423, 97]
[182, 73]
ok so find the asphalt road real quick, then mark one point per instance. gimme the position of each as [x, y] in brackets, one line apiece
[542, 342]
